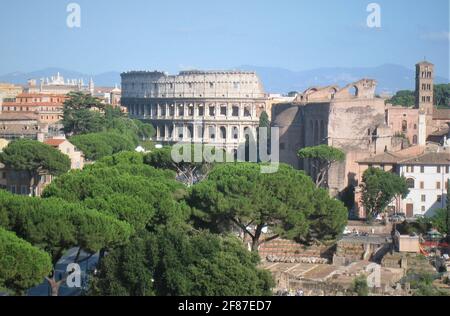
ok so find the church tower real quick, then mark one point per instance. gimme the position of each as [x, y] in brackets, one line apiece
[424, 87]
[91, 86]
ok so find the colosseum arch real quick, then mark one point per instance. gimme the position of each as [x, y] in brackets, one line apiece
[223, 132]
[235, 132]
[353, 90]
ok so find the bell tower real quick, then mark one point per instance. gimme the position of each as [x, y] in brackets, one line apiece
[424, 87]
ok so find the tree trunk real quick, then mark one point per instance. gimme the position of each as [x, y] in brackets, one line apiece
[54, 285]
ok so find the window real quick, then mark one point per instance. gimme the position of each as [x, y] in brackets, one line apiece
[439, 198]
[404, 126]
[422, 169]
[422, 185]
[200, 131]
[212, 132]
[438, 169]
[212, 111]
[235, 133]
[201, 111]
[247, 111]
[223, 110]
[424, 198]
[235, 111]
[438, 185]
[223, 132]
[423, 209]
[410, 183]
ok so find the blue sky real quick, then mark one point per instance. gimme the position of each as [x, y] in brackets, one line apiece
[118, 35]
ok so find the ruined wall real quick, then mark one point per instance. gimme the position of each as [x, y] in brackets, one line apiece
[351, 119]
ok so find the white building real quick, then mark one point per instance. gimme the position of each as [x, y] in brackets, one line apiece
[57, 85]
[427, 176]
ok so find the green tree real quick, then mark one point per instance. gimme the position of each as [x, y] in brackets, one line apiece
[360, 287]
[379, 188]
[21, 265]
[56, 226]
[404, 98]
[171, 261]
[35, 158]
[81, 114]
[193, 168]
[442, 95]
[408, 98]
[98, 145]
[441, 218]
[287, 202]
[422, 285]
[124, 187]
[322, 158]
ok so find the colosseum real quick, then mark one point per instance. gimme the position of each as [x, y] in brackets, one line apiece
[211, 107]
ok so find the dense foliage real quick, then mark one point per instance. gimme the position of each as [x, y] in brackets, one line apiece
[34, 156]
[407, 97]
[55, 225]
[403, 98]
[21, 265]
[379, 188]
[321, 158]
[81, 114]
[287, 202]
[98, 145]
[359, 286]
[123, 186]
[196, 161]
[164, 248]
[174, 262]
[100, 130]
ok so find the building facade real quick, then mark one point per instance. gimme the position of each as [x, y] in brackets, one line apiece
[351, 118]
[422, 121]
[9, 91]
[47, 107]
[67, 148]
[427, 176]
[210, 107]
[57, 85]
[427, 172]
[14, 126]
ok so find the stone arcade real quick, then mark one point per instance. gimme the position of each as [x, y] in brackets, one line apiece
[212, 107]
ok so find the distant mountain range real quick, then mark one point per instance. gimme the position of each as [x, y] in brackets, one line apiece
[390, 77]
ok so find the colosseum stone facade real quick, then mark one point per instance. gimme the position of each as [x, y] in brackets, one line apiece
[210, 107]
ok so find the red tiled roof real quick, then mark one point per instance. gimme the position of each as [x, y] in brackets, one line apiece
[54, 142]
